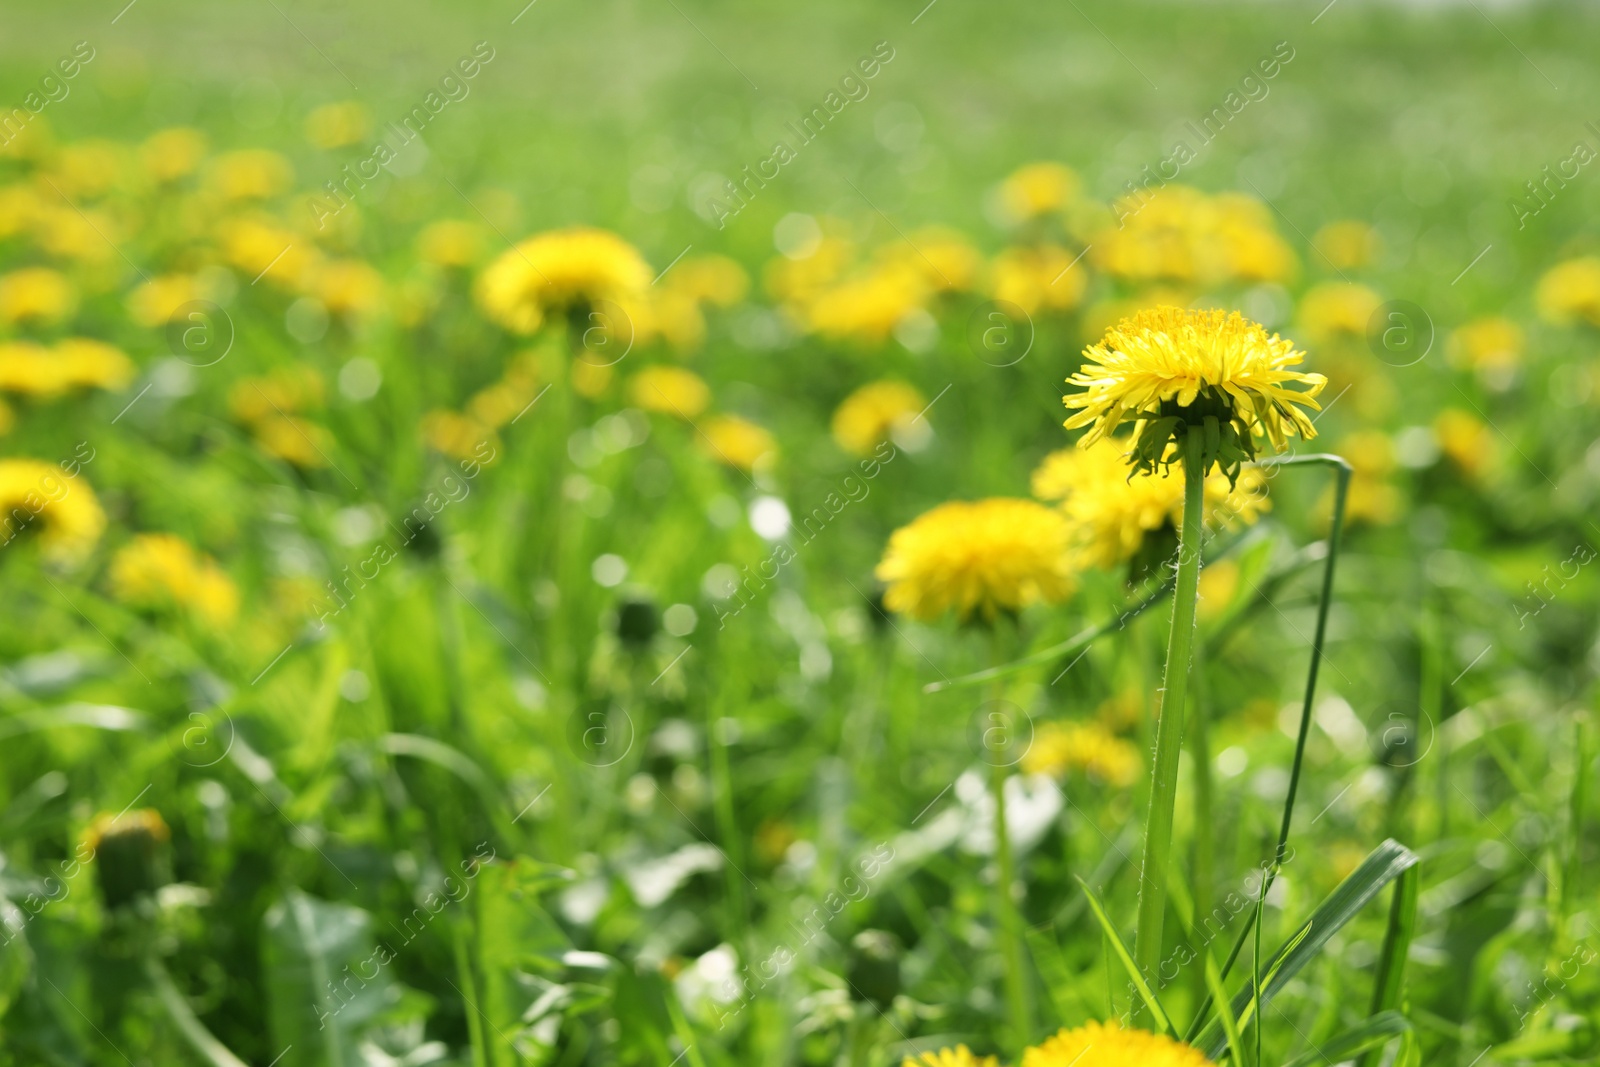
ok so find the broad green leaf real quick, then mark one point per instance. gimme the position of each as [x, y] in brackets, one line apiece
[326, 980]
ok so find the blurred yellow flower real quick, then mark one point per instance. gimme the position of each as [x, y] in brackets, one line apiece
[1487, 345]
[669, 391]
[1336, 310]
[1108, 1045]
[88, 170]
[36, 497]
[455, 435]
[172, 154]
[285, 391]
[348, 287]
[871, 414]
[797, 280]
[738, 442]
[1371, 498]
[82, 234]
[261, 249]
[1176, 234]
[251, 174]
[90, 364]
[1168, 362]
[450, 243]
[1219, 583]
[978, 558]
[1465, 441]
[19, 207]
[338, 124]
[152, 302]
[1037, 189]
[294, 440]
[559, 271]
[503, 401]
[715, 280]
[1348, 244]
[1110, 513]
[868, 306]
[36, 295]
[671, 315]
[943, 258]
[1570, 292]
[1038, 277]
[162, 571]
[960, 1056]
[1059, 749]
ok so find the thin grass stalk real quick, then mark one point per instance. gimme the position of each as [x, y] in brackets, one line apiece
[1341, 492]
[1169, 726]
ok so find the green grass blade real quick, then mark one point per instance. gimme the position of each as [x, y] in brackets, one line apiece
[1151, 1002]
[1386, 863]
[1396, 944]
[1369, 1037]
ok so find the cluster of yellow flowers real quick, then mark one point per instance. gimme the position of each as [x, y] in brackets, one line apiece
[1091, 1045]
[161, 571]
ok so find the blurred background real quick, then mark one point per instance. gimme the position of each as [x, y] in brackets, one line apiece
[297, 773]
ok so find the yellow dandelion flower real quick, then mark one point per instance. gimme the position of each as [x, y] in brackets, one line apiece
[1157, 236]
[978, 558]
[285, 391]
[338, 124]
[870, 415]
[502, 401]
[1336, 310]
[348, 287]
[1167, 365]
[36, 295]
[1570, 292]
[1059, 749]
[1111, 513]
[81, 234]
[1108, 1045]
[960, 1056]
[251, 174]
[294, 440]
[88, 169]
[19, 208]
[715, 280]
[450, 243]
[1247, 252]
[90, 364]
[35, 497]
[1045, 276]
[171, 154]
[1371, 499]
[868, 306]
[1348, 244]
[1491, 345]
[945, 260]
[1038, 189]
[455, 435]
[141, 821]
[153, 302]
[738, 442]
[798, 280]
[1465, 440]
[558, 272]
[162, 571]
[669, 391]
[29, 369]
[261, 249]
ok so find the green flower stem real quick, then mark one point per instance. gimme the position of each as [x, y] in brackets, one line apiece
[1009, 921]
[1169, 726]
[1007, 918]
